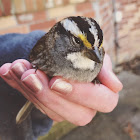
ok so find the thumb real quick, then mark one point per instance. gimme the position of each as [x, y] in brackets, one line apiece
[107, 77]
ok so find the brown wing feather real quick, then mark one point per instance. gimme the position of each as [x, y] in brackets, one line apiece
[38, 48]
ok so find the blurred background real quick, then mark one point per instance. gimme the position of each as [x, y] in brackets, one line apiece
[120, 22]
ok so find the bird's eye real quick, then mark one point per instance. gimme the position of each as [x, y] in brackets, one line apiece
[76, 40]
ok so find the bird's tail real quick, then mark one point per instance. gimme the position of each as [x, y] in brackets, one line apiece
[24, 112]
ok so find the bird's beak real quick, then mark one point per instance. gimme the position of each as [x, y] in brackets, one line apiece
[94, 55]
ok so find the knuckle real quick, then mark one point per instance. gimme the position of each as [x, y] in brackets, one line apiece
[22, 61]
[4, 68]
[111, 106]
[53, 116]
[57, 119]
[15, 85]
[60, 120]
[84, 119]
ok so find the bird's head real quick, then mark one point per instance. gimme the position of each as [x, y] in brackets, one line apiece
[83, 40]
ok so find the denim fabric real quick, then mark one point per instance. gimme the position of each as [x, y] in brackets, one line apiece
[18, 46]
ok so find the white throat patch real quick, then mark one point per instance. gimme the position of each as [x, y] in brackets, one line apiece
[81, 62]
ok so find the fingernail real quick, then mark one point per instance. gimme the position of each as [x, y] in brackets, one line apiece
[18, 69]
[33, 83]
[7, 75]
[62, 86]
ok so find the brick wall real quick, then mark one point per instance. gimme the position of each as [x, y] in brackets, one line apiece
[129, 29]
[23, 16]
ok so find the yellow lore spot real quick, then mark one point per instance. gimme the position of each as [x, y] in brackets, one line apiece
[101, 46]
[85, 41]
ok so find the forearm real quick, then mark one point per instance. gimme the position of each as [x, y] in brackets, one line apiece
[17, 46]
[12, 47]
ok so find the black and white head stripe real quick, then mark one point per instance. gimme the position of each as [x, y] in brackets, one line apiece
[86, 26]
[71, 26]
[100, 33]
[93, 31]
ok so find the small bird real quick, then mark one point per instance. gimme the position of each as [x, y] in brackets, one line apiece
[71, 49]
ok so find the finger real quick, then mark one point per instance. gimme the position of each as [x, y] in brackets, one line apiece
[108, 78]
[39, 89]
[97, 97]
[23, 61]
[51, 114]
[4, 69]
[17, 68]
[6, 75]
[54, 116]
[41, 107]
[11, 72]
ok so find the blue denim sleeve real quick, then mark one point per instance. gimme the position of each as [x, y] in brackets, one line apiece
[15, 46]
[12, 47]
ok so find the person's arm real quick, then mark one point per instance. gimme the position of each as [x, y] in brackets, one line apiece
[13, 47]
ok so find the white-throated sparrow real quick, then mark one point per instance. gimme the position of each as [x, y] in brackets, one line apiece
[71, 49]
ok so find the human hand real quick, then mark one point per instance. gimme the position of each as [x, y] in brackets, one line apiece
[61, 99]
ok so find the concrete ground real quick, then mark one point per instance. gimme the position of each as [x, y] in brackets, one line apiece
[123, 123]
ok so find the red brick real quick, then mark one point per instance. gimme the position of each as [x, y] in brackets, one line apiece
[104, 9]
[6, 6]
[102, 2]
[108, 33]
[0, 12]
[84, 6]
[124, 2]
[133, 1]
[89, 14]
[123, 22]
[105, 15]
[127, 47]
[133, 11]
[106, 23]
[40, 4]
[65, 2]
[19, 6]
[128, 16]
[43, 25]
[39, 16]
[17, 29]
[123, 37]
[29, 5]
[138, 3]
[136, 26]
